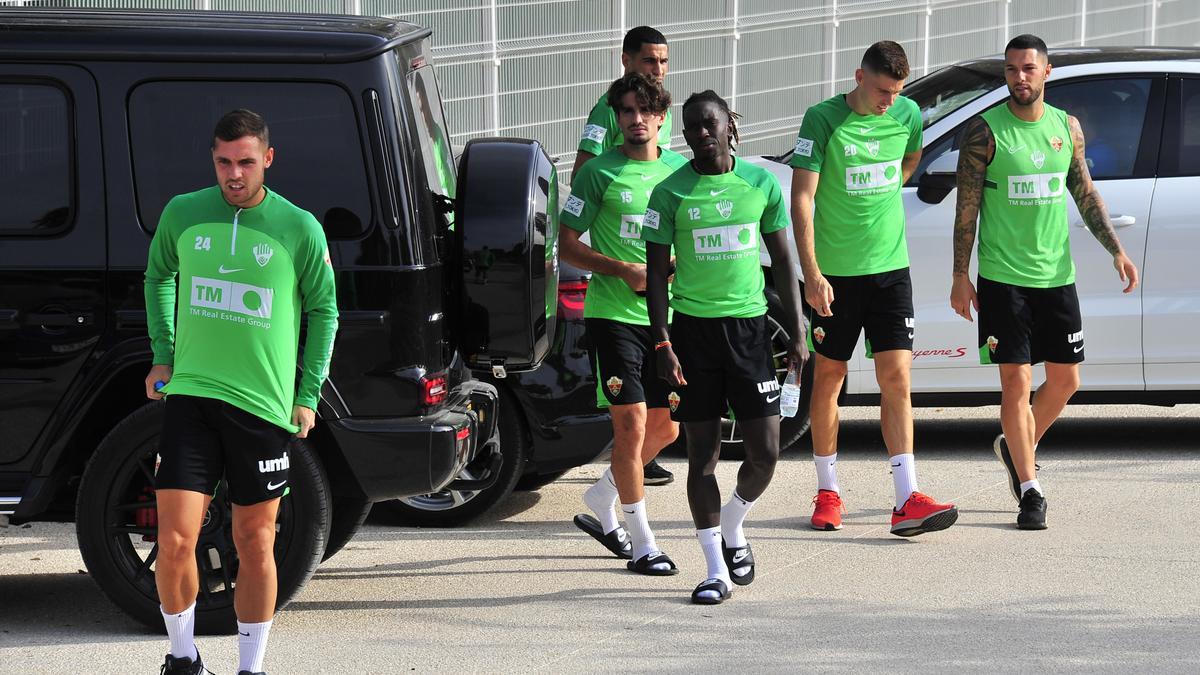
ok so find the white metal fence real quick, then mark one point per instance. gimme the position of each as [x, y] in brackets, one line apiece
[533, 68]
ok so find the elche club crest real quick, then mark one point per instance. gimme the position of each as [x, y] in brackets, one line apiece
[725, 208]
[819, 334]
[992, 342]
[1056, 143]
[614, 385]
[262, 254]
[673, 401]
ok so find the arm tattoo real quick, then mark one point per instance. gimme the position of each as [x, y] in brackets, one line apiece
[1087, 197]
[975, 149]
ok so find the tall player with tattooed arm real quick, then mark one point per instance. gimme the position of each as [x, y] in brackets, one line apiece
[1016, 164]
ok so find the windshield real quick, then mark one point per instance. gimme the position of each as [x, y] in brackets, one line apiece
[948, 89]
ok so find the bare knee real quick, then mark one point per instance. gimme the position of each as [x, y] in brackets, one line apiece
[175, 547]
[828, 376]
[894, 382]
[1065, 381]
[255, 542]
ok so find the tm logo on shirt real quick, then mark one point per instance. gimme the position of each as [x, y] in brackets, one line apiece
[240, 303]
[1035, 188]
[873, 178]
[725, 239]
[631, 228]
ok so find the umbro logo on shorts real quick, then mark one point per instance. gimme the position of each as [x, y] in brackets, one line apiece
[273, 465]
[768, 386]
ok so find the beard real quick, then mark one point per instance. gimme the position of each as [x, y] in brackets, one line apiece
[1025, 98]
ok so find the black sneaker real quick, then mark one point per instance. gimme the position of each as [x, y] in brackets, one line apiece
[1033, 511]
[1000, 447]
[653, 474]
[246, 672]
[182, 666]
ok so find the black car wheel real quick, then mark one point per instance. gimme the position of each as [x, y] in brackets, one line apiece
[349, 513]
[448, 508]
[116, 524]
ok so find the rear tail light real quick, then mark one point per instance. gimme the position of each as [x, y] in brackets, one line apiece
[571, 295]
[433, 390]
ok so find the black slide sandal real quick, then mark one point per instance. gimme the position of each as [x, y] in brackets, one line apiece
[645, 565]
[711, 585]
[735, 562]
[617, 541]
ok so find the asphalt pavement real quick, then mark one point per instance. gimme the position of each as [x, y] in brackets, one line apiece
[1113, 585]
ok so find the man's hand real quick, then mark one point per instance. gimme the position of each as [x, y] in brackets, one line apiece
[159, 373]
[818, 294]
[634, 275]
[963, 297]
[798, 354]
[669, 368]
[1126, 270]
[305, 418]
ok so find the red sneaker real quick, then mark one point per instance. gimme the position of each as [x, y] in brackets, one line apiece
[827, 513]
[920, 514]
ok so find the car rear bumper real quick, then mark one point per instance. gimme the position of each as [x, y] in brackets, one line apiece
[396, 457]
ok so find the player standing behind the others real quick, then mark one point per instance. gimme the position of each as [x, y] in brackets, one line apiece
[717, 353]
[644, 51]
[608, 199]
[853, 153]
[247, 264]
[1026, 299]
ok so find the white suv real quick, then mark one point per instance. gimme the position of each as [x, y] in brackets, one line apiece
[1140, 112]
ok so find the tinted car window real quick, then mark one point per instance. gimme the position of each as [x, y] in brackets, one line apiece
[319, 164]
[941, 93]
[35, 159]
[1111, 113]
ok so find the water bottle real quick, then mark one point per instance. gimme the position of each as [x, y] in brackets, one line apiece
[789, 396]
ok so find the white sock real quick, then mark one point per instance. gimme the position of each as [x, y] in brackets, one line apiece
[827, 472]
[252, 645]
[710, 543]
[904, 477]
[733, 515]
[180, 630]
[639, 529]
[1032, 484]
[602, 498]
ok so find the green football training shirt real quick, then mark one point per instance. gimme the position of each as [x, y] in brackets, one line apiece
[608, 199]
[601, 132]
[1023, 235]
[715, 223]
[858, 224]
[244, 278]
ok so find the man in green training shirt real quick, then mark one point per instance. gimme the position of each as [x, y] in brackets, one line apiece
[608, 200]
[1016, 164]
[247, 264]
[853, 153]
[717, 353]
[644, 50]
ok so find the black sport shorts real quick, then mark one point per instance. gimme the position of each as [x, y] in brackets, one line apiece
[1018, 324]
[623, 360]
[727, 363]
[880, 304]
[204, 439]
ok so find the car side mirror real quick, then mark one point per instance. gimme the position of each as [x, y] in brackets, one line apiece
[940, 177]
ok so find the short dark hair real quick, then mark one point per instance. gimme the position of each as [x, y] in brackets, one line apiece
[650, 95]
[241, 122]
[710, 96]
[1027, 41]
[642, 35]
[886, 58]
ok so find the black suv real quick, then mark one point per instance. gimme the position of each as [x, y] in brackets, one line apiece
[104, 116]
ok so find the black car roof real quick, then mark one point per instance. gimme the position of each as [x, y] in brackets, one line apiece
[1077, 56]
[28, 35]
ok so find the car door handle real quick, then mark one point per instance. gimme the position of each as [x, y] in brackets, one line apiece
[59, 320]
[1115, 220]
